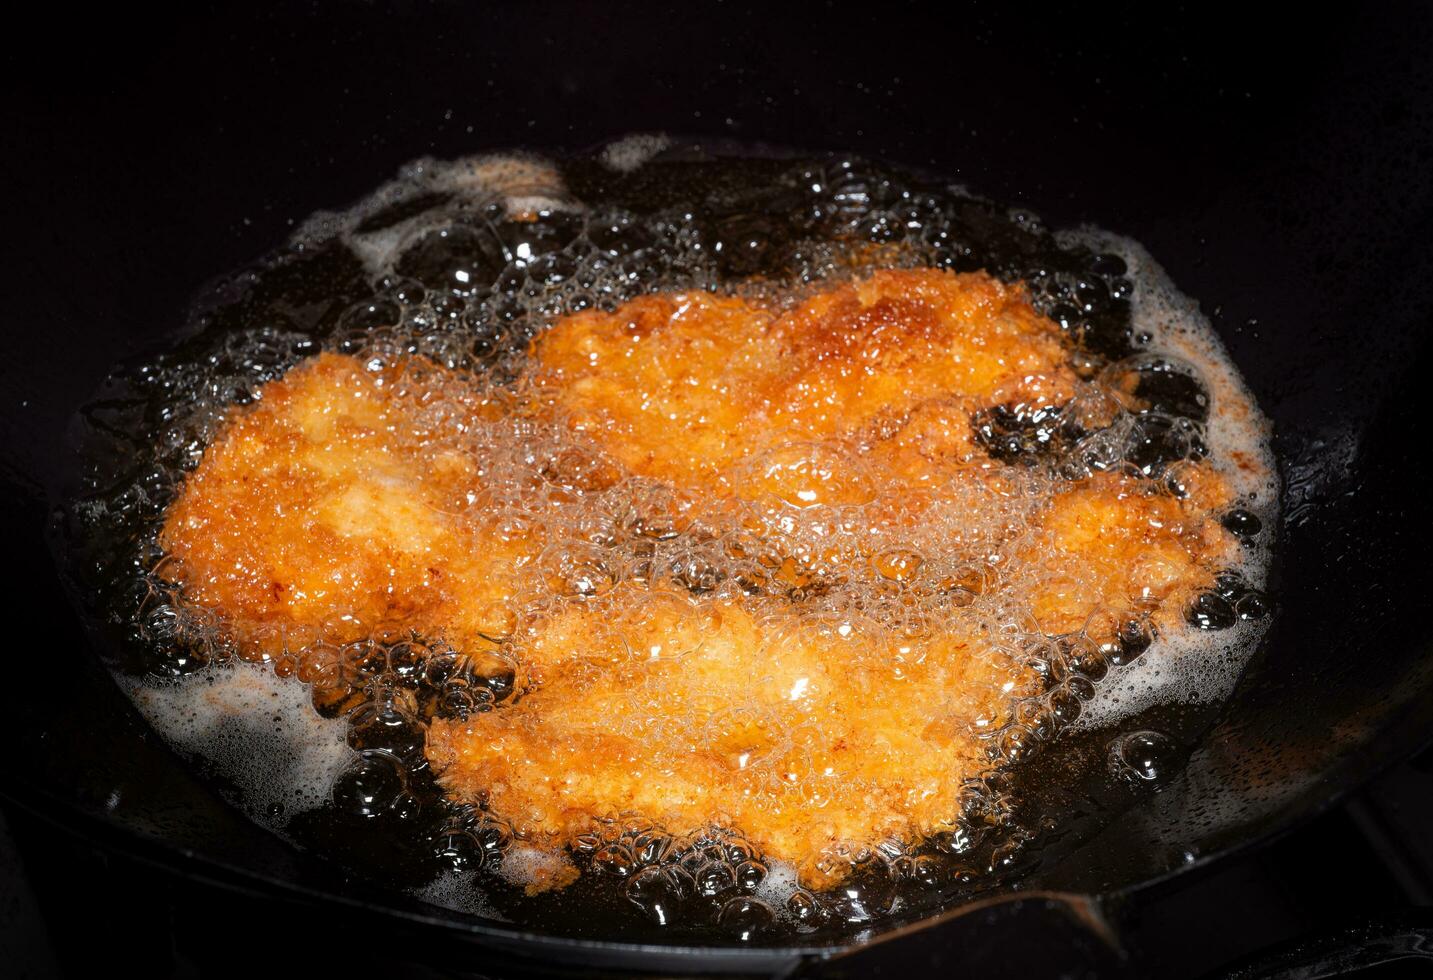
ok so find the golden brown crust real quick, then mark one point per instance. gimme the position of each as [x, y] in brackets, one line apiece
[684, 388]
[813, 453]
[805, 733]
[318, 517]
[1117, 548]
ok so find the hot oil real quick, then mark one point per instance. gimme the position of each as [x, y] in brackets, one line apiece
[464, 263]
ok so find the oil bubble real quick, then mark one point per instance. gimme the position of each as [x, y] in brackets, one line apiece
[658, 893]
[746, 917]
[1142, 757]
[373, 786]
[867, 892]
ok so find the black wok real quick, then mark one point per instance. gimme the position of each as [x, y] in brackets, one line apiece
[1280, 171]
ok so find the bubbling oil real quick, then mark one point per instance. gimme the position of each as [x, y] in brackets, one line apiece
[463, 264]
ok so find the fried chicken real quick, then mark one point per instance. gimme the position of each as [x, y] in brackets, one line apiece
[688, 387]
[1115, 548]
[344, 504]
[802, 732]
[842, 639]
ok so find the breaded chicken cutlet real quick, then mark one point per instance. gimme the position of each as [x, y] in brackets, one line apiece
[343, 505]
[809, 717]
[688, 388]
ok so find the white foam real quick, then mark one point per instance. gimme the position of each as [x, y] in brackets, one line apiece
[533, 866]
[460, 891]
[1235, 428]
[1184, 668]
[521, 183]
[1193, 667]
[779, 884]
[258, 729]
[631, 152]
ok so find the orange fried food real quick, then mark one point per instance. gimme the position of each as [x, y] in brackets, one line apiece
[340, 505]
[746, 565]
[807, 728]
[1113, 547]
[686, 387]
[804, 732]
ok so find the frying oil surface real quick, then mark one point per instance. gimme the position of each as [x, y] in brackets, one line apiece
[687, 608]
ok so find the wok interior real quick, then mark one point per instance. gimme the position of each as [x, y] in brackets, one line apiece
[1334, 360]
[1072, 773]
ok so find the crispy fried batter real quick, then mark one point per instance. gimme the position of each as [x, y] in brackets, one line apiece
[1115, 548]
[347, 500]
[685, 387]
[320, 514]
[808, 734]
[803, 732]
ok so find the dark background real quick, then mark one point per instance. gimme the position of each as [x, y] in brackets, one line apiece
[1193, 129]
[1281, 165]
